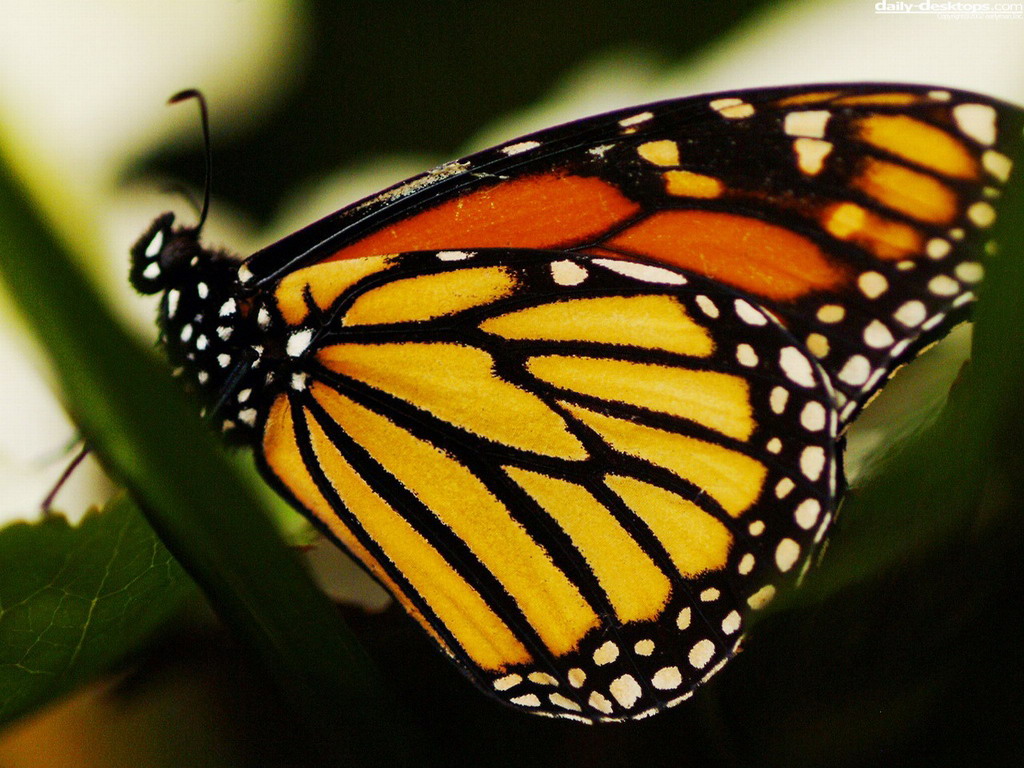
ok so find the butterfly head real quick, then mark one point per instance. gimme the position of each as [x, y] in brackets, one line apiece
[164, 255]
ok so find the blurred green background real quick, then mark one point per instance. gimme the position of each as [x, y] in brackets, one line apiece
[917, 661]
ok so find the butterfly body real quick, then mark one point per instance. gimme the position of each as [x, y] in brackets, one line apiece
[576, 401]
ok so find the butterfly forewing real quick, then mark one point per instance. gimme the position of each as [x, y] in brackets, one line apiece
[857, 214]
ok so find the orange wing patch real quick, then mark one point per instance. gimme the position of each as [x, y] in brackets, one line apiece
[542, 211]
[765, 259]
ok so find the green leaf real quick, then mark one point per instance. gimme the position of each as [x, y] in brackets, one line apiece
[75, 599]
[150, 438]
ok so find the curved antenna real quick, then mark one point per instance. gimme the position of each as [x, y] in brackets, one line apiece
[204, 116]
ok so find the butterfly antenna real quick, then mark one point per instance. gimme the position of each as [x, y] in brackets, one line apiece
[204, 116]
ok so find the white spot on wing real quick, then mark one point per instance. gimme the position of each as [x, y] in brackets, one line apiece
[567, 272]
[786, 554]
[748, 314]
[453, 255]
[644, 272]
[626, 690]
[522, 146]
[977, 121]
[809, 123]
[642, 117]
[796, 366]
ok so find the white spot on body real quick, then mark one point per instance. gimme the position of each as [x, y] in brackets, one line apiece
[228, 308]
[152, 271]
[263, 317]
[203, 290]
[155, 246]
[203, 377]
[202, 342]
[244, 395]
[223, 360]
[300, 381]
[298, 342]
[186, 333]
[244, 274]
[224, 332]
[247, 416]
[173, 296]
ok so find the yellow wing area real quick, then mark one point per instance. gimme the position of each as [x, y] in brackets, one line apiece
[544, 524]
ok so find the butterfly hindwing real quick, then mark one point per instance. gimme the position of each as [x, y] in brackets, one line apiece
[580, 474]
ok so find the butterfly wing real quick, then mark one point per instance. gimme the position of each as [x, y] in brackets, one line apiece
[857, 214]
[580, 475]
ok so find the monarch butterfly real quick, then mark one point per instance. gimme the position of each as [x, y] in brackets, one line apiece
[577, 400]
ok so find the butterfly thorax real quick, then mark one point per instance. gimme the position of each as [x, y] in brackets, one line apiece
[205, 322]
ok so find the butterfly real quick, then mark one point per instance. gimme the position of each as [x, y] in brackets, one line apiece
[577, 401]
